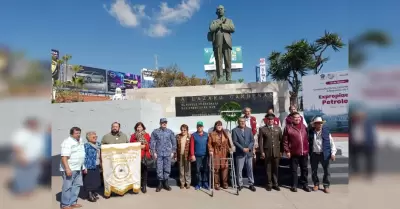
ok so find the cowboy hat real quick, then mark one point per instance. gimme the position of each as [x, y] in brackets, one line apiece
[317, 120]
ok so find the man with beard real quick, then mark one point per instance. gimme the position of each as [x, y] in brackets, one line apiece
[163, 147]
[296, 146]
[115, 136]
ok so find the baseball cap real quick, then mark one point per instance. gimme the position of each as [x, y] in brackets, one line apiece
[200, 123]
[163, 120]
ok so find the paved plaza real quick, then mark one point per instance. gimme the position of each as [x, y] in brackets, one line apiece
[338, 198]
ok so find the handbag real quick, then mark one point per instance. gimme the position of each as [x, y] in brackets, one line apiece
[149, 162]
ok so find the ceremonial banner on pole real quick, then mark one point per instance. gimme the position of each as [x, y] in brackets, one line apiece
[121, 168]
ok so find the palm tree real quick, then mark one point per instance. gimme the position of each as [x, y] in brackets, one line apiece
[65, 59]
[292, 65]
[77, 81]
[328, 40]
[357, 45]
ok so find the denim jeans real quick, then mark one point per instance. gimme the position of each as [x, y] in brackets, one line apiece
[70, 189]
[26, 177]
[201, 170]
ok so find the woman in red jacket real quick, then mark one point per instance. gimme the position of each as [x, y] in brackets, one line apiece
[141, 136]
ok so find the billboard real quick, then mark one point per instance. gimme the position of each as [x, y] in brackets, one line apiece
[122, 80]
[327, 96]
[94, 78]
[263, 70]
[55, 67]
[147, 74]
[209, 59]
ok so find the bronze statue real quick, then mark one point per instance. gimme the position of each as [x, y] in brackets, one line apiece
[220, 35]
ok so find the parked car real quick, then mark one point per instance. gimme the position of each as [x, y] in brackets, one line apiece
[91, 76]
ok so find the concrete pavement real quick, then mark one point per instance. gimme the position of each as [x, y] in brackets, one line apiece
[338, 198]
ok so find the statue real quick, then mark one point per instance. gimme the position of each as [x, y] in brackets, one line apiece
[118, 95]
[220, 36]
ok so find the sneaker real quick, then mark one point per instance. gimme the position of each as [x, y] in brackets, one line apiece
[197, 187]
[205, 185]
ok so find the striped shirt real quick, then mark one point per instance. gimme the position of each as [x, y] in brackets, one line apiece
[75, 151]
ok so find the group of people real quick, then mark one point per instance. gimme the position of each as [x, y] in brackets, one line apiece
[81, 162]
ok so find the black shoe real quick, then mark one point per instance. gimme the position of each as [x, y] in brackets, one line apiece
[306, 189]
[240, 188]
[144, 189]
[293, 189]
[159, 187]
[91, 197]
[166, 186]
[276, 188]
[96, 195]
[268, 188]
[252, 188]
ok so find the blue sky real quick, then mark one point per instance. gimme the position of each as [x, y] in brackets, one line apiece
[91, 30]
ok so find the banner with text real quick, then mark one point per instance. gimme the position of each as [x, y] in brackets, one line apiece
[214, 104]
[209, 59]
[327, 96]
[121, 168]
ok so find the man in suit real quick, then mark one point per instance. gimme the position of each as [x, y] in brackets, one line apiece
[220, 35]
[270, 140]
[243, 139]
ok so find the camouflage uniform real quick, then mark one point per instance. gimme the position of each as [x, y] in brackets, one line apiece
[163, 143]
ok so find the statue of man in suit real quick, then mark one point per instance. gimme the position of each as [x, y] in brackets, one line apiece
[220, 35]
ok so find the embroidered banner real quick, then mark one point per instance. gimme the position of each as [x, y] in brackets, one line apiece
[121, 168]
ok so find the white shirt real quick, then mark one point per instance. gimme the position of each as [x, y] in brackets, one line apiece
[31, 144]
[248, 124]
[75, 151]
[358, 133]
[317, 146]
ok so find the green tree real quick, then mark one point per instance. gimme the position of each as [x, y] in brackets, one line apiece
[328, 40]
[241, 80]
[357, 46]
[173, 76]
[299, 58]
[292, 65]
[77, 81]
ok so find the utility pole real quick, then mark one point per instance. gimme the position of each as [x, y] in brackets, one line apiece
[156, 61]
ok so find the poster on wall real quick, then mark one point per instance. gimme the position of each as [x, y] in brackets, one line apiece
[121, 168]
[122, 80]
[327, 95]
[214, 104]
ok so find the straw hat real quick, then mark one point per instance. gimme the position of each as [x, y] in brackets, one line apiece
[317, 120]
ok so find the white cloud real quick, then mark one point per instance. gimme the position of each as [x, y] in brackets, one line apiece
[158, 25]
[158, 30]
[127, 15]
[180, 13]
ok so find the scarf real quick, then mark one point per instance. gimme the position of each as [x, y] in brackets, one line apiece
[95, 145]
[140, 137]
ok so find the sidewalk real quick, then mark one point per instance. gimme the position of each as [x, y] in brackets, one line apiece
[338, 198]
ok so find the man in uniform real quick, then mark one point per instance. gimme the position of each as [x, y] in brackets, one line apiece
[163, 148]
[270, 140]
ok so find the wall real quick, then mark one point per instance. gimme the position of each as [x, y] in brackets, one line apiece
[166, 96]
[98, 116]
